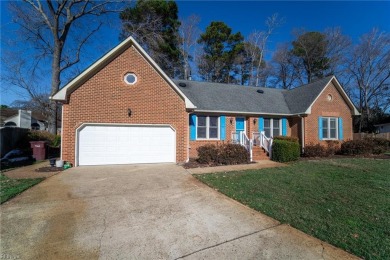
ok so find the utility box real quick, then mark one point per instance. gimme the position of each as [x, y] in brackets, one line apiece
[39, 150]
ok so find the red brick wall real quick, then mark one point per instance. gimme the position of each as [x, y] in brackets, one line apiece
[251, 127]
[105, 98]
[337, 107]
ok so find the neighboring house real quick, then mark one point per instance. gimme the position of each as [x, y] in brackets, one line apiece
[383, 128]
[124, 109]
[23, 119]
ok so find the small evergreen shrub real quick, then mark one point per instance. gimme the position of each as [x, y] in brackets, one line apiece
[225, 154]
[285, 151]
[333, 147]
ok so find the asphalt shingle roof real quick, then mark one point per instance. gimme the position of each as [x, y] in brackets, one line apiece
[299, 99]
[210, 96]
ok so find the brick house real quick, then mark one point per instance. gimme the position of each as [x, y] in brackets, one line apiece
[124, 109]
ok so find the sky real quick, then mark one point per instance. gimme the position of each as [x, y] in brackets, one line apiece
[353, 17]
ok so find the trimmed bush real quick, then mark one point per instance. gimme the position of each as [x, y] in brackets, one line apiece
[287, 138]
[285, 151]
[226, 154]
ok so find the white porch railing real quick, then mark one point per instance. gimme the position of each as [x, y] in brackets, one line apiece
[242, 139]
[259, 139]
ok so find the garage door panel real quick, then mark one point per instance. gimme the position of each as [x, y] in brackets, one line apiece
[101, 145]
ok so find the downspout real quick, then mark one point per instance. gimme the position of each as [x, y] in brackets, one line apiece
[303, 133]
[62, 131]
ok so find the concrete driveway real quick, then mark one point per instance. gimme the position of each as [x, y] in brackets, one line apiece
[143, 211]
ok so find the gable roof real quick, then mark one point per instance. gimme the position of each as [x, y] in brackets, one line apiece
[217, 97]
[63, 93]
[301, 98]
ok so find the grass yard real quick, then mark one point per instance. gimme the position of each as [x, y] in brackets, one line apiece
[9, 188]
[345, 202]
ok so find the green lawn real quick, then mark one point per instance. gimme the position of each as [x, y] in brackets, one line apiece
[9, 188]
[345, 202]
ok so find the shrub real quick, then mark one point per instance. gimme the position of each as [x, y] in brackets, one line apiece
[333, 147]
[315, 150]
[318, 150]
[365, 146]
[226, 154]
[207, 153]
[57, 141]
[233, 154]
[287, 138]
[34, 135]
[356, 147]
[285, 151]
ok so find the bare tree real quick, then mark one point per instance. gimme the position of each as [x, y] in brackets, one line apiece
[58, 31]
[189, 33]
[370, 72]
[284, 71]
[260, 40]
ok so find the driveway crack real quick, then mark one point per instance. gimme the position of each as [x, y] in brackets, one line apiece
[227, 241]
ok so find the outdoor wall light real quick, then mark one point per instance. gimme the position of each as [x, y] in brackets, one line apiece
[254, 121]
[231, 120]
[129, 112]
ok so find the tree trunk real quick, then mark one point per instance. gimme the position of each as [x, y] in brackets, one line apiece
[55, 86]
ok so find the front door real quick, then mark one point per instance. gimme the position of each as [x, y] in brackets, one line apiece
[240, 127]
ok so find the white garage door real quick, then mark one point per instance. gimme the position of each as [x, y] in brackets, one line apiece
[102, 145]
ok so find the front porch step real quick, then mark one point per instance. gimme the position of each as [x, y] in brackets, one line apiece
[258, 154]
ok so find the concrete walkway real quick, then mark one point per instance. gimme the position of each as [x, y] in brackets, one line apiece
[228, 168]
[144, 212]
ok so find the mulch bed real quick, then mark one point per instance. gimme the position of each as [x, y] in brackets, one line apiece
[50, 169]
[192, 163]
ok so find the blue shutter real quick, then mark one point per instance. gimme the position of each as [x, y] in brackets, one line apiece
[341, 136]
[261, 124]
[192, 127]
[284, 126]
[223, 127]
[320, 128]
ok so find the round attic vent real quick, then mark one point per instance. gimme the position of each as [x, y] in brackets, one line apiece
[182, 84]
[260, 91]
[130, 78]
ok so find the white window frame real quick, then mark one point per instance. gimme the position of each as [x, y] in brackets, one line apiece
[328, 128]
[208, 128]
[271, 125]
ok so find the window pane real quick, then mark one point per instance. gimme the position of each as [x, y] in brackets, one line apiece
[213, 121]
[276, 132]
[276, 123]
[332, 133]
[325, 123]
[325, 133]
[267, 132]
[201, 121]
[213, 132]
[333, 123]
[201, 132]
[267, 122]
